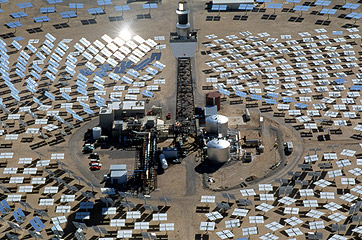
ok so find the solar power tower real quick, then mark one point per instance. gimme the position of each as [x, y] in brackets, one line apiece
[183, 44]
[184, 41]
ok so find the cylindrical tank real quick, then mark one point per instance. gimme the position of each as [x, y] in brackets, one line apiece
[213, 98]
[97, 132]
[163, 161]
[218, 150]
[217, 124]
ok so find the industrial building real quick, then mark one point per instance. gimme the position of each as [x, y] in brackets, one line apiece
[118, 174]
[117, 111]
[125, 123]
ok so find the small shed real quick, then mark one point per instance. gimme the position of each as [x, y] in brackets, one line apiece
[118, 174]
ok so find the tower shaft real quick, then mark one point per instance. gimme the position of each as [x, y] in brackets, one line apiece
[183, 25]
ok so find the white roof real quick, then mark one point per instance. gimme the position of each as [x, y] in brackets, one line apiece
[133, 105]
[117, 167]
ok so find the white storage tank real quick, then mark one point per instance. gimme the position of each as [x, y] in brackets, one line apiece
[218, 150]
[217, 124]
[97, 132]
[163, 161]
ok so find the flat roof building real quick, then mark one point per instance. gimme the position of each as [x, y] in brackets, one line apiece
[118, 174]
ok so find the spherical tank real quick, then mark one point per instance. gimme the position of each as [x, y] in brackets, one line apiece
[97, 132]
[218, 150]
[217, 124]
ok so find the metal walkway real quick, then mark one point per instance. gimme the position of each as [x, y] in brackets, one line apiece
[186, 125]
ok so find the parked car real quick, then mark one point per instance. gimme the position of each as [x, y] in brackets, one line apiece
[251, 178]
[88, 148]
[93, 161]
[95, 166]
[94, 156]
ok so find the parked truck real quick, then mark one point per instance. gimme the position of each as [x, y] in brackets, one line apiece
[288, 147]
